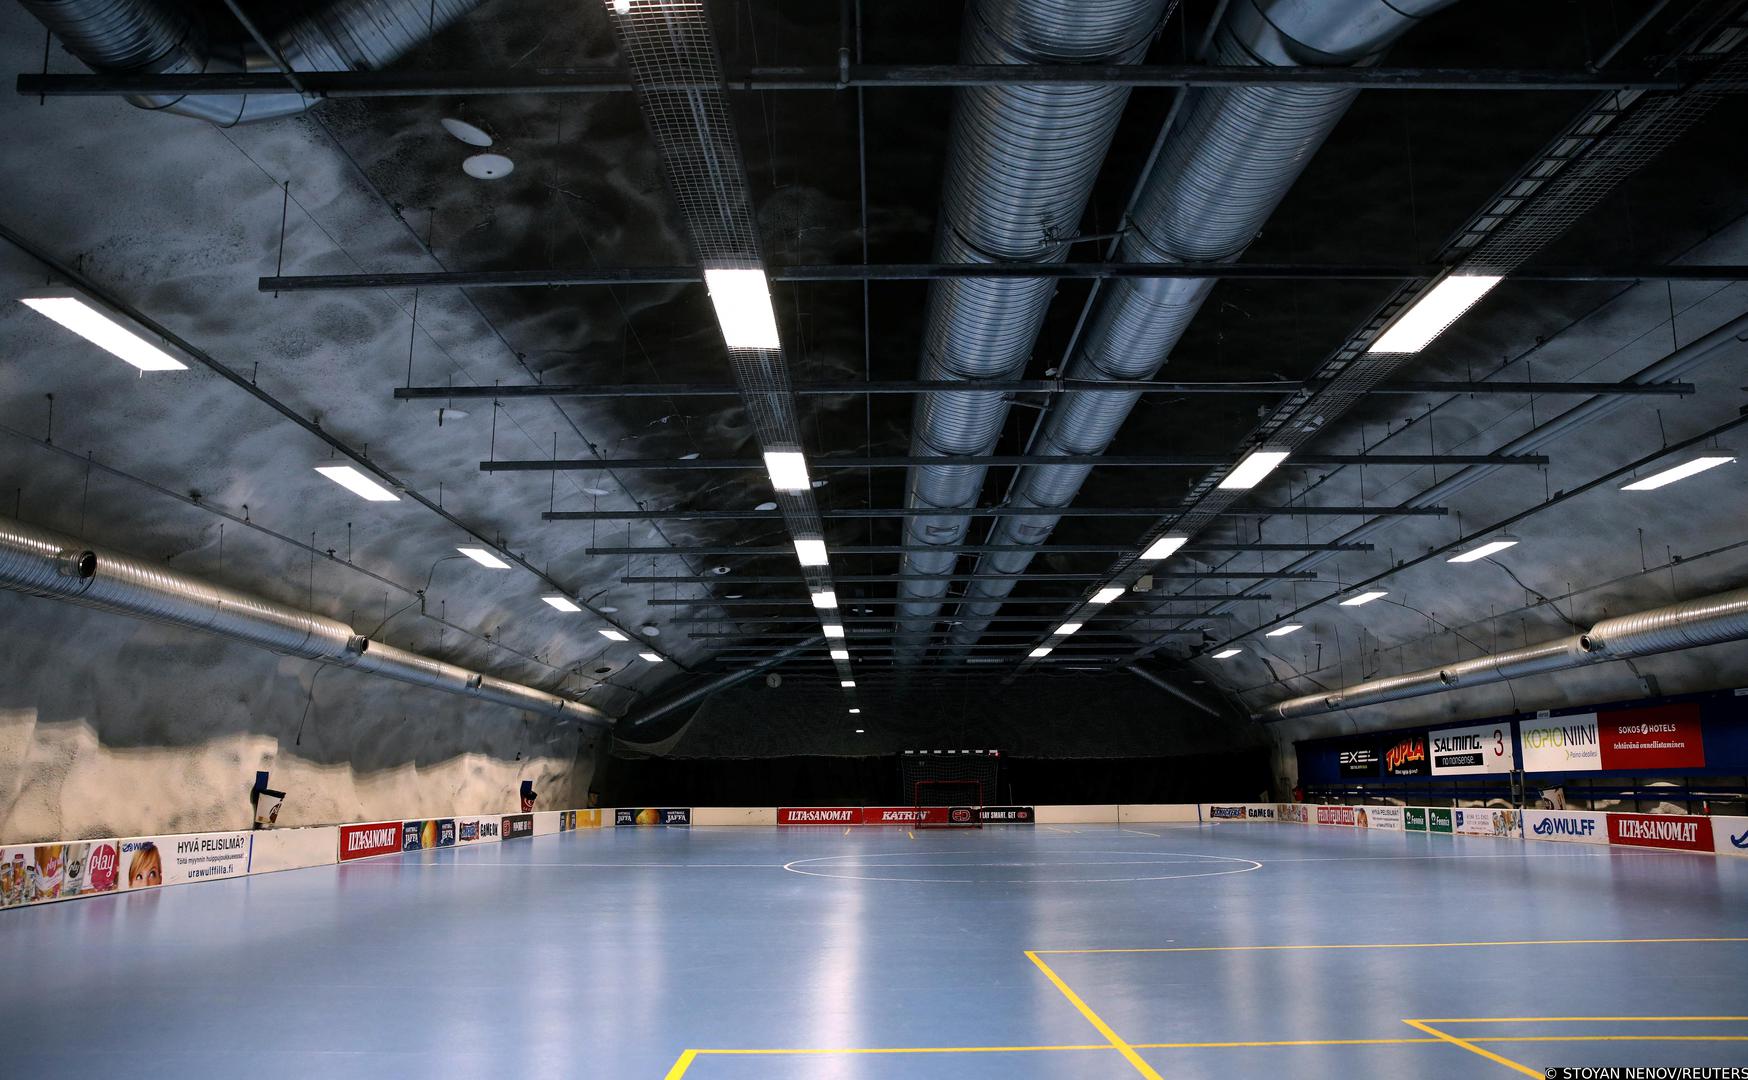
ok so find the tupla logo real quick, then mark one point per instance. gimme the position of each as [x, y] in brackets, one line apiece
[1405, 752]
[1552, 826]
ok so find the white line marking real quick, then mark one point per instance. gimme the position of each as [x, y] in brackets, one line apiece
[837, 862]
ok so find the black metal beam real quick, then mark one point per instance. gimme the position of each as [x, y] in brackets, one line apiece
[969, 549]
[1267, 388]
[877, 579]
[877, 634]
[905, 461]
[887, 601]
[818, 273]
[612, 79]
[886, 620]
[988, 511]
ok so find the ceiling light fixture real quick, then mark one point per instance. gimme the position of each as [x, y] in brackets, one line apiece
[1433, 311]
[1681, 472]
[1364, 598]
[743, 306]
[811, 552]
[833, 630]
[1163, 547]
[825, 599]
[858, 731]
[1249, 472]
[1040, 652]
[562, 603]
[484, 558]
[612, 635]
[1491, 547]
[357, 483]
[1068, 628]
[840, 654]
[847, 684]
[654, 658]
[1105, 596]
[788, 469]
[856, 712]
[1283, 631]
[101, 327]
[1227, 654]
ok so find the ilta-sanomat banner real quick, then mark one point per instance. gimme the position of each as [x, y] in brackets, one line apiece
[1657, 737]
[652, 815]
[375, 838]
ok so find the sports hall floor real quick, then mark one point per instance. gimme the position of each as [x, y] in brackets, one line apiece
[1013, 952]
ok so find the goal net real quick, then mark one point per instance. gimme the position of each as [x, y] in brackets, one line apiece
[947, 787]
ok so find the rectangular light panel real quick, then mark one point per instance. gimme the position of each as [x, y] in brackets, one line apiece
[840, 654]
[1679, 472]
[1227, 654]
[612, 635]
[562, 603]
[856, 712]
[1068, 628]
[1249, 472]
[654, 658]
[826, 599]
[484, 558]
[1431, 312]
[1283, 631]
[811, 552]
[1040, 652]
[847, 683]
[1105, 596]
[103, 330]
[1163, 547]
[832, 630]
[788, 469]
[742, 299]
[1364, 598]
[1492, 547]
[357, 483]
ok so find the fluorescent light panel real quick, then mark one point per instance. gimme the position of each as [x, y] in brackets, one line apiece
[825, 599]
[1364, 598]
[1491, 547]
[1163, 547]
[1680, 472]
[1068, 628]
[840, 654]
[1249, 472]
[833, 630]
[612, 635]
[858, 731]
[742, 299]
[856, 712]
[811, 552]
[484, 558]
[788, 469]
[1040, 652]
[562, 603]
[654, 658]
[1434, 310]
[847, 684]
[102, 329]
[357, 483]
[1226, 654]
[1283, 631]
[1105, 596]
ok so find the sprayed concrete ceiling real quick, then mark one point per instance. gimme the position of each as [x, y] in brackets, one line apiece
[179, 219]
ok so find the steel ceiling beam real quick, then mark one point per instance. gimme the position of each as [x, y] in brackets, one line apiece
[896, 549]
[887, 601]
[862, 514]
[878, 620]
[879, 579]
[904, 461]
[612, 79]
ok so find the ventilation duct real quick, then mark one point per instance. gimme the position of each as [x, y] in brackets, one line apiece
[1227, 163]
[1691, 623]
[48, 564]
[1020, 167]
[157, 37]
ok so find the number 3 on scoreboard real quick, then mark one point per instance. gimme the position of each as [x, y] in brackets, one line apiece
[1498, 742]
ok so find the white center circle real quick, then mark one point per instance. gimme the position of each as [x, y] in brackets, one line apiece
[850, 868]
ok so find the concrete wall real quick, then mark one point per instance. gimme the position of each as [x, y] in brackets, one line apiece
[111, 726]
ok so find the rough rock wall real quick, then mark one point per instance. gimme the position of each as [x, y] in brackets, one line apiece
[111, 726]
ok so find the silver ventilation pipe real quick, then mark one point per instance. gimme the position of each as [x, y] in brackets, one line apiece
[1227, 163]
[155, 37]
[1021, 165]
[1691, 623]
[48, 564]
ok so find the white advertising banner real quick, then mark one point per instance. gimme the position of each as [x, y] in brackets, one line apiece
[1388, 818]
[1294, 812]
[1465, 751]
[478, 830]
[1561, 744]
[1569, 826]
[1485, 821]
[1215, 812]
[150, 861]
[1730, 835]
[292, 849]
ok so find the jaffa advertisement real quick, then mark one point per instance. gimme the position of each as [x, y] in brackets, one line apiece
[652, 815]
[1467, 751]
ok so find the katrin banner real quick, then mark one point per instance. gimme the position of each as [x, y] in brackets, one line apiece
[1567, 826]
[1464, 751]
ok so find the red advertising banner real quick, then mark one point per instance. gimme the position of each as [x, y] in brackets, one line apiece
[1661, 830]
[904, 815]
[363, 841]
[819, 815]
[1659, 737]
[1335, 815]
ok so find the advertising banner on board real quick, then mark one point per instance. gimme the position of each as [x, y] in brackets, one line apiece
[1007, 815]
[819, 815]
[427, 834]
[1567, 826]
[1298, 813]
[1560, 744]
[1438, 820]
[1414, 818]
[477, 830]
[1485, 821]
[149, 861]
[1387, 818]
[1466, 751]
[652, 815]
[904, 815]
[1335, 815]
[1406, 756]
[363, 841]
[1657, 737]
[1359, 761]
[1661, 831]
[1730, 834]
[579, 819]
[516, 826]
[1221, 812]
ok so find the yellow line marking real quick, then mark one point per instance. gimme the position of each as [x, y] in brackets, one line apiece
[1284, 1042]
[846, 830]
[1473, 1049]
[681, 1064]
[1571, 1019]
[910, 834]
[1608, 1038]
[1397, 945]
[1095, 1020]
[910, 1050]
